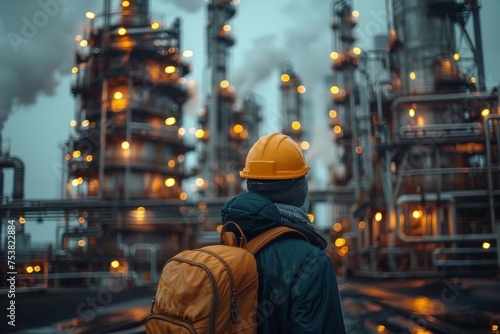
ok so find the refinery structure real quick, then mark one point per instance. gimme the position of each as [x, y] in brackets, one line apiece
[417, 129]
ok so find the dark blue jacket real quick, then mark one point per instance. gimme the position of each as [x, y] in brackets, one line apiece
[298, 291]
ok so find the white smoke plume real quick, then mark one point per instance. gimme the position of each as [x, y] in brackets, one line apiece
[37, 43]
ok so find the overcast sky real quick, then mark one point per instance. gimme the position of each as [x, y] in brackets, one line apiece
[35, 68]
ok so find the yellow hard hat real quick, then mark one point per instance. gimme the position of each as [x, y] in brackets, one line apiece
[274, 157]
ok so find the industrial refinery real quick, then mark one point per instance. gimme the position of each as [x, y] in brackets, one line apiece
[416, 192]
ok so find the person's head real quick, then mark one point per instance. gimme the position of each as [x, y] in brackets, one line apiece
[275, 168]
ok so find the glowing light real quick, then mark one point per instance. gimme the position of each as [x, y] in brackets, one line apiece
[85, 123]
[486, 245]
[81, 220]
[361, 225]
[199, 133]
[37, 269]
[356, 51]
[155, 25]
[29, 269]
[413, 76]
[355, 13]
[343, 251]
[125, 3]
[332, 113]
[170, 121]
[170, 182]
[301, 89]
[118, 95]
[141, 209]
[74, 70]
[77, 154]
[74, 182]
[456, 56]
[84, 43]
[473, 80]
[183, 196]
[417, 214]
[334, 90]
[78, 38]
[22, 220]
[115, 264]
[230, 177]
[89, 158]
[485, 112]
[90, 15]
[122, 31]
[180, 157]
[311, 217]
[337, 227]
[181, 131]
[380, 328]
[73, 123]
[334, 55]
[494, 328]
[337, 129]
[339, 242]
[125, 145]
[304, 145]
[226, 28]
[359, 149]
[411, 112]
[187, 53]
[378, 216]
[238, 128]
[224, 84]
[81, 242]
[170, 69]
[285, 77]
[296, 125]
[171, 163]
[199, 182]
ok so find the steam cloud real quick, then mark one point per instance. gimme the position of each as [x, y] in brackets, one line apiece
[37, 43]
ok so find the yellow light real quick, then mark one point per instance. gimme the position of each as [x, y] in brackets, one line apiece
[311, 217]
[83, 43]
[155, 25]
[170, 121]
[170, 69]
[238, 128]
[187, 53]
[494, 328]
[334, 90]
[337, 227]
[90, 15]
[337, 129]
[339, 242]
[361, 225]
[29, 269]
[226, 28]
[89, 158]
[141, 209]
[125, 145]
[183, 196]
[473, 80]
[285, 77]
[304, 145]
[485, 112]
[85, 123]
[355, 13]
[334, 55]
[224, 84]
[76, 154]
[115, 264]
[170, 182]
[181, 131]
[380, 328]
[417, 214]
[332, 113]
[122, 31]
[81, 242]
[22, 220]
[301, 89]
[411, 112]
[356, 51]
[125, 3]
[199, 182]
[413, 76]
[378, 216]
[486, 245]
[199, 133]
[296, 125]
[74, 70]
[74, 182]
[37, 269]
[456, 56]
[73, 123]
[171, 163]
[118, 95]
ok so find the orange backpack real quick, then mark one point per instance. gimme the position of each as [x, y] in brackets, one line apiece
[212, 289]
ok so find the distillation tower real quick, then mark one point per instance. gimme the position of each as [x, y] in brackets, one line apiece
[421, 143]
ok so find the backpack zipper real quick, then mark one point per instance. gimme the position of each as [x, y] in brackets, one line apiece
[234, 312]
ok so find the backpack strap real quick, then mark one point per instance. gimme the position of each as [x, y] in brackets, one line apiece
[257, 243]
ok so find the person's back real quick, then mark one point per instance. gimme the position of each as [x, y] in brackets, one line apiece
[298, 291]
